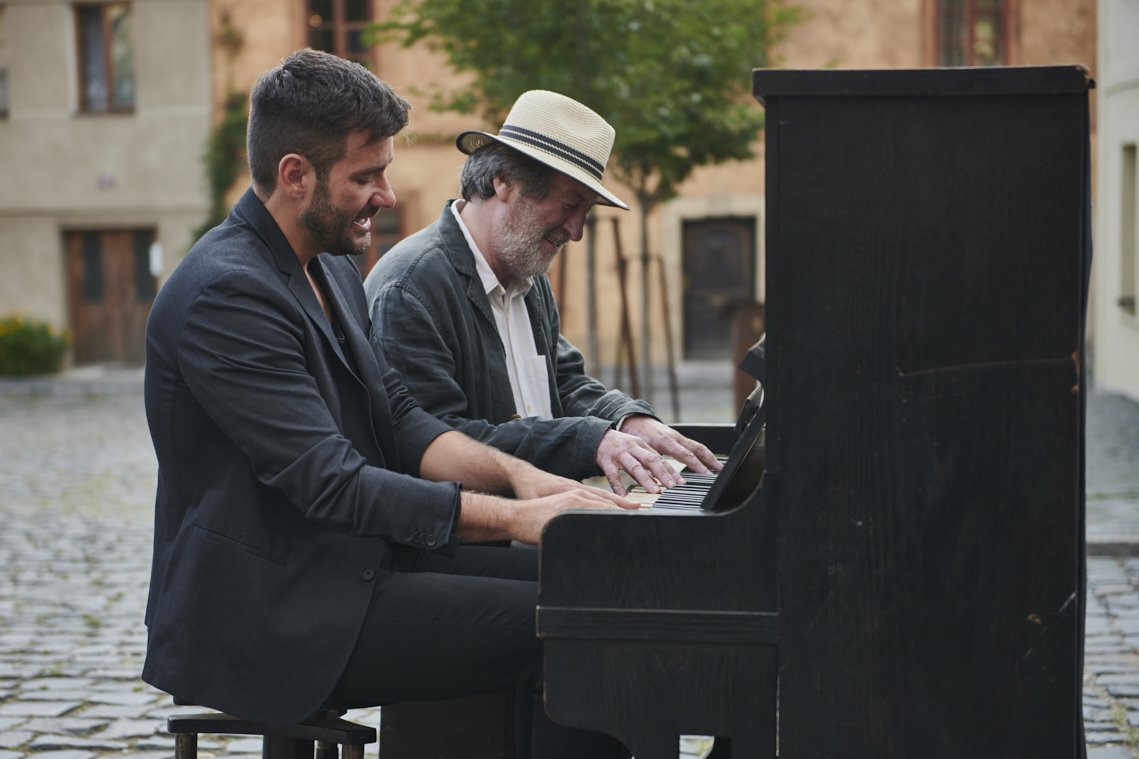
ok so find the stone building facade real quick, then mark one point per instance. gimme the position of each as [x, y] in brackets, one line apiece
[1115, 340]
[144, 169]
[104, 108]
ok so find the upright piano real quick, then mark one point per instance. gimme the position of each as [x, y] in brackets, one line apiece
[905, 575]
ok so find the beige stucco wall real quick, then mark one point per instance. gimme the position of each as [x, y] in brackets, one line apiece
[145, 169]
[1115, 345]
[1057, 31]
[864, 34]
[29, 250]
[832, 33]
[66, 170]
[76, 171]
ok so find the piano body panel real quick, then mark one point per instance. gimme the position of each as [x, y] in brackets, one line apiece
[595, 559]
[646, 694]
[938, 593]
[927, 279]
[656, 625]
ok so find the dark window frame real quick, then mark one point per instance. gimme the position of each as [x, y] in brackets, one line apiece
[1128, 213]
[109, 73]
[4, 93]
[5, 82]
[960, 46]
[341, 28]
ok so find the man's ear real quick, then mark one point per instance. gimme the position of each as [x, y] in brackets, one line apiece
[503, 187]
[293, 175]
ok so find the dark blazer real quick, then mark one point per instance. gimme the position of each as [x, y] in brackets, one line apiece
[287, 456]
[427, 298]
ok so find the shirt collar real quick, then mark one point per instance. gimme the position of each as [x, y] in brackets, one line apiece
[490, 282]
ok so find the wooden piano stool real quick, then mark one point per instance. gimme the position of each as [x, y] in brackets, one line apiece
[476, 727]
[325, 729]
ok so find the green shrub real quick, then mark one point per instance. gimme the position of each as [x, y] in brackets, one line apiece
[28, 346]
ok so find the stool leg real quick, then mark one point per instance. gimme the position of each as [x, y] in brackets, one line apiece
[327, 750]
[186, 746]
[353, 752]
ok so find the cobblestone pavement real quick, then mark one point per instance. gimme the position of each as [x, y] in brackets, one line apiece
[76, 487]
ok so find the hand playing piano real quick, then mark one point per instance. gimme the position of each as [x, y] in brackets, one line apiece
[528, 518]
[639, 450]
[542, 496]
[530, 483]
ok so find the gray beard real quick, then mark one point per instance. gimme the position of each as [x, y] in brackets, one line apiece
[520, 251]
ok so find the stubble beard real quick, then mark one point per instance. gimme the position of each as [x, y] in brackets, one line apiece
[333, 234]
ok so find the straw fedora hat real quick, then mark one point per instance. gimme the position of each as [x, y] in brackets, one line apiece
[559, 132]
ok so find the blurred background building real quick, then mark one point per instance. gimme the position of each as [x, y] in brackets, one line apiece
[104, 109]
[107, 108]
[1115, 336]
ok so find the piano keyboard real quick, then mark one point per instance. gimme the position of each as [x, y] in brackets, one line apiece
[686, 497]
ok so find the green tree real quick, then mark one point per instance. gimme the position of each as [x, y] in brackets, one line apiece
[671, 76]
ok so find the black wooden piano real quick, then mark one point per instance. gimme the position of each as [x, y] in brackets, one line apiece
[896, 568]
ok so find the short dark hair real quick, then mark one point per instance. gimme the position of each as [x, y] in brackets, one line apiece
[495, 159]
[309, 105]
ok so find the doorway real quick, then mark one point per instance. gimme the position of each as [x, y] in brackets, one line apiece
[719, 273]
[110, 290]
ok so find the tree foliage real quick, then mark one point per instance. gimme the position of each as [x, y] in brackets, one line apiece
[672, 76]
[224, 158]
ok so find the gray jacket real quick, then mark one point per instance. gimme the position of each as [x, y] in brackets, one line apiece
[432, 321]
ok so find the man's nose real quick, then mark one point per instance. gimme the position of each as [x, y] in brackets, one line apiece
[575, 225]
[384, 194]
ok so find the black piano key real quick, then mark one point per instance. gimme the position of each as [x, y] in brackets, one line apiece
[687, 497]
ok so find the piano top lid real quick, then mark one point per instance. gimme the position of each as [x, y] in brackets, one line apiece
[932, 82]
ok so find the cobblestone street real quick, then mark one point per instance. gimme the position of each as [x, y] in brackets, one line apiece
[76, 492]
[77, 479]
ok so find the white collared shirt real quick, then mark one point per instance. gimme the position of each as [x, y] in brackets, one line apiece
[529, 379]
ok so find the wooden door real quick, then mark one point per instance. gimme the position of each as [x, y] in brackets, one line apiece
[110, 291]
[719, 272]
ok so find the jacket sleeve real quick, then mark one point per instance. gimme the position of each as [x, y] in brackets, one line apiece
[581, 395]
[578, 393]
[412, 339]
[253, 367]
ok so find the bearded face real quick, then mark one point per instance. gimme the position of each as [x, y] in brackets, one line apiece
[340, 233]
[527, 245]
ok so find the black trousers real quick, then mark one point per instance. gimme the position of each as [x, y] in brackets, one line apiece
[448, 625]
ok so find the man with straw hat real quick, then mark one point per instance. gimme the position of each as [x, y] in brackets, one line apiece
[464, 310]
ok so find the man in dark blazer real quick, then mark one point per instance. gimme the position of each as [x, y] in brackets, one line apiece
[309, 514]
